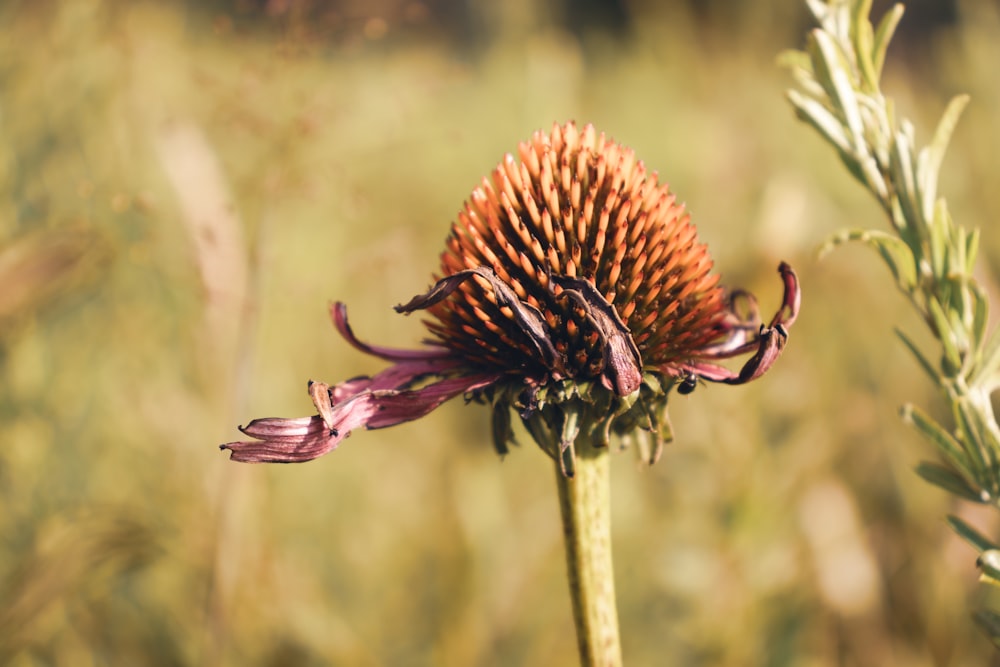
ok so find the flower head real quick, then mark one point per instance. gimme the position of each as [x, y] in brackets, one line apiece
[573, 290]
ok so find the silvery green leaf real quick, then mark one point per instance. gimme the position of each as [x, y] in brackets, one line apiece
[949, 480]
[822, 51]
[971, 440]
[980, 317]
[932, 156]
[938, 241]
[945, 442]
[901, 168]
[989, 365]
[893, 251]
[864, 39]
[971, 250]
[820, 118]
[883, 35]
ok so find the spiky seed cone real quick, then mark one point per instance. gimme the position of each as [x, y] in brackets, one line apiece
[577, 205]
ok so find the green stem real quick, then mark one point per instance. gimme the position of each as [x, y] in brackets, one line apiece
[585, 504]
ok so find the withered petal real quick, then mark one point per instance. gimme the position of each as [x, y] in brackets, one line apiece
[766, 345]
[284, 441]
[397, 407]
[622, 362]
[792, 300]
[771, 342]
[304, 439]
[338, 313]
[397, 376]
[528, 318]
[743, 336]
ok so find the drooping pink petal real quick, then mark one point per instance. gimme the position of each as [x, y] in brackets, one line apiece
[338, 313]
[298, 440]
[397, 376]
[396, 407]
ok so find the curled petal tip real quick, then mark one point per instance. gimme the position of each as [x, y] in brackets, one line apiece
[792, 300]
[772, 342]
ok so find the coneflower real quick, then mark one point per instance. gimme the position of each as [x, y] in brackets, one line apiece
[574, 293]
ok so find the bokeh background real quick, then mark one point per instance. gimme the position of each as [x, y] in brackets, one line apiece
[184, 186]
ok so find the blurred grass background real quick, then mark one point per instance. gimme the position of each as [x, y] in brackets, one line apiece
[187, 185]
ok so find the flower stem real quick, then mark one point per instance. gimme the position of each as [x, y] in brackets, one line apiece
[585, 504]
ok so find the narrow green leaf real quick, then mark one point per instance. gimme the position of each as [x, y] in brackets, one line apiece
[848, 103]
[970, 534]
[864, 39]
[971, 250]
[883, 35]
[893, 251]
[901, 169]
[939, 145]
[990, 364]
[937, 240]
[944, 441]
[949, 480]
[873, 177]
[980, 318]
[924, 362]
[983, 436]
[828, 58]
[944, 334]
[820, 118]
[834, 76]
[972, 441]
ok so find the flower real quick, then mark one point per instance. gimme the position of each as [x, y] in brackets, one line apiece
[574, 292]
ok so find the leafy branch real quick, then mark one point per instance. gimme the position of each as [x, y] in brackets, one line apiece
[931, 258]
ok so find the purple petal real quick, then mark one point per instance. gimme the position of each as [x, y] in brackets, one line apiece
[397, 407]
[306, 438]
[338, 313]
[793, 297]
[767, 344]
[772, 342]
[284, 441]
[397, 376]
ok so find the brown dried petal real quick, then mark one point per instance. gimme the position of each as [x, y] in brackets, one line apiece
[622, 363]
[528, 318]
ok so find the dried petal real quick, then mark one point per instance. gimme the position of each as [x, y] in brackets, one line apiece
[298, 440]
[528, 318]
[767, 345]
[338, 313]
[622, 363]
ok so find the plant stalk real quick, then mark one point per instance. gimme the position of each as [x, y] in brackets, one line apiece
[585, 505]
